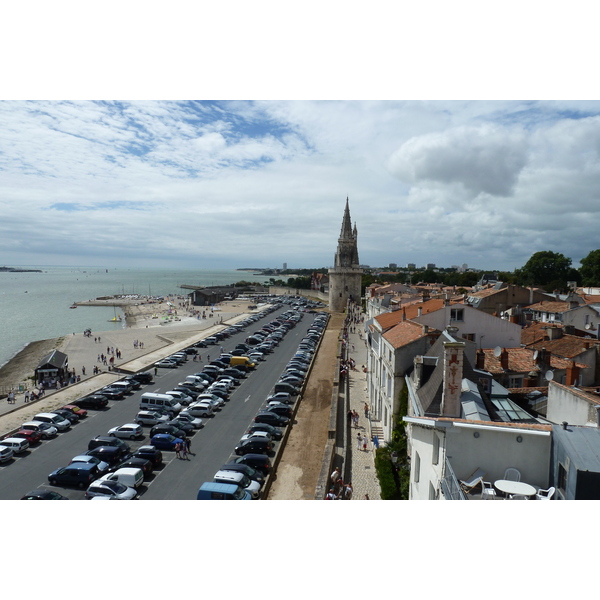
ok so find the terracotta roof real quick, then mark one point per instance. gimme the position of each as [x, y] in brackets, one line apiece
[590, 299]
[568, 346]
[536, 332]
[404, 333]
[550, 306]
[520, 360]
[486, 293]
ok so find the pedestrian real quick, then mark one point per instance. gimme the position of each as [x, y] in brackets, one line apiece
[348, 491]
[11, 397]
[83, 370]
[177, 450]
[184, 452]
[27, 396]
[155, 371]
[376, 442]
[188, 446]
[330, 495]
[359, 440]
[355, 414]
[365, 443]
[366, 411]
[335, 475]
[367, 497]
[350, 417]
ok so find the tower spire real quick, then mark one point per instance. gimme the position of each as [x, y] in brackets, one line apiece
[346, 233]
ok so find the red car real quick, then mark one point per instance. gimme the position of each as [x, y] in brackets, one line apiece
[33, 437]
[80, 412]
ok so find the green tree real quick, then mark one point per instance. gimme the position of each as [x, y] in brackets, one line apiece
[590, 269]
[547, 269]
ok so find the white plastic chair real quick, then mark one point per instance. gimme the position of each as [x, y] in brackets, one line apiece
[545, 494]
[512, 474]
[518, 497]
[487, 491]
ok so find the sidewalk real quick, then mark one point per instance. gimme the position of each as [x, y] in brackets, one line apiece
[361, 464]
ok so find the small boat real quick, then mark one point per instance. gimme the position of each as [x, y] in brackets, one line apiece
[73, 306]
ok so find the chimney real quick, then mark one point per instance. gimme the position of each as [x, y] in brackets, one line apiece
[480, 359]
[572, 373]
[424, 329]
[597, 416]
[404, 313]
[504, 359]
[452, 380]
[419, 311]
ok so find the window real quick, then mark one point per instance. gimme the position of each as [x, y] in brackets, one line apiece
[456, 314]
[563, 471]
[515, 382]
[432, 494]
[468, 336]
[417, 464]
[436, 449]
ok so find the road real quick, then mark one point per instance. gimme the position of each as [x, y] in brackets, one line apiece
[212, 445]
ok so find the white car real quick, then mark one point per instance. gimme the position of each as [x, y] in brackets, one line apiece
[257, 434]
[256, 356]
[148, 417]
[129, 476]
[181, 397]
[6, 453]
[128, 431]
[45, 429]
[194, 421]
[216, 401]
[112, 489]
[199, 409]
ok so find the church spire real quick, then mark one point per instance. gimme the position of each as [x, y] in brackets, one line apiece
[346, 233]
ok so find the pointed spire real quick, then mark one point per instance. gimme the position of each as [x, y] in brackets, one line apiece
[346, 233]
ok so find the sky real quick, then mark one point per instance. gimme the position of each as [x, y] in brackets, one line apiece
[232, 184]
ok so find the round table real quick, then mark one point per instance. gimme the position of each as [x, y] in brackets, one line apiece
[514, 487]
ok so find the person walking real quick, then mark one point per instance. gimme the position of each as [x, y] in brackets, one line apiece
[188, 446]
[348, 491]
[184, 452]
[376, 442]
[358, 441]
[365, 443]
[27, 396]
[177, 450]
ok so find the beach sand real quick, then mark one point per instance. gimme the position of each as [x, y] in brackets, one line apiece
[155, 325]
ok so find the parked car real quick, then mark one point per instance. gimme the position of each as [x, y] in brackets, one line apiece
[166, 364]
[129, 476]
[103, 467]
[154, 455]
[166, 428]
[275, 432]
[78, 475]
[279, 408]
[56, 420]
[112, 393]
[165, 441]
[6, 453]
[145, 377]
[113, 489]
[80, 412]
[257, 434]
[282, 397]
[68, 415]
[182, 425]
[194, 421]
[150, 417]
[129, 431]
[108, 440]
[199, 409]
[271, 418]
[260, 462]
[247, 470]
[17, 445]
[254, 445]
[46, 431]
[32, 436]
[112, 455]
[93, 401]
[138, 462]
[43, 494]
[241, 479]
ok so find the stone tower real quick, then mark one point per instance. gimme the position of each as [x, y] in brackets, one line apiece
[345, 277]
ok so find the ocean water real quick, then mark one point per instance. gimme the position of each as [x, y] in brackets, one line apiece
[35, 306]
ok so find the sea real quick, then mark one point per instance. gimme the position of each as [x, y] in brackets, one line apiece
[35, 306]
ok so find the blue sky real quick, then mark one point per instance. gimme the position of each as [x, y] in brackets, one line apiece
[258, 183]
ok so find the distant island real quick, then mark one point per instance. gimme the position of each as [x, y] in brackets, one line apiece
[13, 270]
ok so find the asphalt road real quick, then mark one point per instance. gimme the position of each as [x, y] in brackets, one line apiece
[212, 445]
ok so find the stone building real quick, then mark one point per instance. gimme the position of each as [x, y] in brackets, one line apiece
[345, 277]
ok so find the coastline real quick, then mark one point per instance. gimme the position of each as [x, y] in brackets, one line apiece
[155, 324]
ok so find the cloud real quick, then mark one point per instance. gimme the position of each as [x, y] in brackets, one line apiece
[482, 159]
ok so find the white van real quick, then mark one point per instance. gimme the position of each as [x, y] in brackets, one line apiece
[52, 419]
[241, 479]
[129, 476]
[17, 445]
[149, 400]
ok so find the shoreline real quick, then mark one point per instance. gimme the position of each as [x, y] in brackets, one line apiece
[152, 322]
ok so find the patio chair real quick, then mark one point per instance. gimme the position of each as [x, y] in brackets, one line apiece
[512, 474]
[545, 494]
[487, 491]
[472, 481]
[518, 497]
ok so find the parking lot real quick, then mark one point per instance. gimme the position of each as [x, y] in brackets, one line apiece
[211, 446]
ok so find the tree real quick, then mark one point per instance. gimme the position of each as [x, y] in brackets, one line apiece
[547, 269]
[590, 269]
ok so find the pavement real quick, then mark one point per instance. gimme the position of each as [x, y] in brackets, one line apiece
[361, 464]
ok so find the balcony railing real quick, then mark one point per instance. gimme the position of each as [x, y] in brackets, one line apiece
[450, 485]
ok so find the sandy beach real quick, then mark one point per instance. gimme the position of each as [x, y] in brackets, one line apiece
[151, 324]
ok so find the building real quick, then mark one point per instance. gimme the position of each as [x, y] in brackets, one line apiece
[345, 278]
[54, 367]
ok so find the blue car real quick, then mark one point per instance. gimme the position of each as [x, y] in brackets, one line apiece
[165, 441]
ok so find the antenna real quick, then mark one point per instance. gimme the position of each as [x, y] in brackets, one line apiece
[497, 351]
[549, 375]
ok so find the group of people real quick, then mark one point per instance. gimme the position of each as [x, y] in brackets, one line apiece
[183, 450]
[339, 490]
